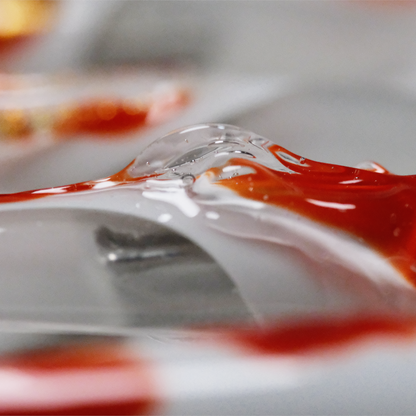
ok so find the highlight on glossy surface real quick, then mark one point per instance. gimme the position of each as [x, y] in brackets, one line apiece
[353, 223]
[359, 221]
[371, 207]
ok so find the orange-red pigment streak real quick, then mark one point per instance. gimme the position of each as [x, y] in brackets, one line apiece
[377, 208]
[113, 116]
[315, 335]
[116, 180]
[108, 378]
[91, 379]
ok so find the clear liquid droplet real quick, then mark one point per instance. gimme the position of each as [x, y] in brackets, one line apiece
[188, 180]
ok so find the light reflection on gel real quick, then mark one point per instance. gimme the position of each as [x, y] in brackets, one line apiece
[357, 219]
[255, 189]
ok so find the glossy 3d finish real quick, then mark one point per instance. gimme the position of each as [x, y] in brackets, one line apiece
[224, 168]
[378, 208]
[358, 220]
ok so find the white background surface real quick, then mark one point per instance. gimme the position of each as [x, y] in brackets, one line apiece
[351, 98]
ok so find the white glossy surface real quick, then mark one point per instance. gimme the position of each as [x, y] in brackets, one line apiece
[271, 279]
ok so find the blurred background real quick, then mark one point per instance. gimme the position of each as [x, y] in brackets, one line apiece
[333, 80]
[311, 39]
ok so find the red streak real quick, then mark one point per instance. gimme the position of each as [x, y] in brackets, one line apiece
[10, 45]
[118, 179]
[46, 390]
[106, 117]
[304, 336]
[96, 117]
[378, 208]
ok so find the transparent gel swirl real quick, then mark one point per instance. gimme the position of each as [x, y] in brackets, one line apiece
[356, 220]
[266, 192]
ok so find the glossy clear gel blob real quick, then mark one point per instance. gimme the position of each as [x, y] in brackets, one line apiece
[359, 219]
[291, 233]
